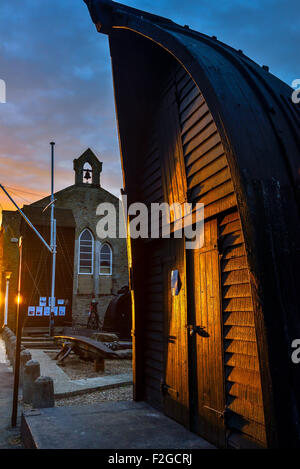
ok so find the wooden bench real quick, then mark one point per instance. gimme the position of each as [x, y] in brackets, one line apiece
[86, 348]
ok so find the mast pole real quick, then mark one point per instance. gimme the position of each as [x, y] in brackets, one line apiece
[52, 243]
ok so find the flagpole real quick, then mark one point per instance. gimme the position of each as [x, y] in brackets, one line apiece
[52, 243]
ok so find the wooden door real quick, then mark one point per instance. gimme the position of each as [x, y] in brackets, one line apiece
[175, 383]
[207, 401]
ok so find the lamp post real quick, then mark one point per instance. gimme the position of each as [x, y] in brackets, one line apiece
[52, 249]
[18, 342]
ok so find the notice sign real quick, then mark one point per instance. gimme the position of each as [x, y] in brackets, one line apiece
[43, 301]
[39, 311]
[31, 310]
[50, 301]
[45, 310]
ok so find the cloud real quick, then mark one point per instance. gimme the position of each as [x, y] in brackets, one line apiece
[59, 85]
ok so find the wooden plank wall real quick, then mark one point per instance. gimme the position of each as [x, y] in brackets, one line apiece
[150, 174]
[209, 182]
[153, 313]
[207, 171]
[243, 384]
[153, 323]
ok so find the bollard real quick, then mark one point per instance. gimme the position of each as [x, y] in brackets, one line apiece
[9, 332]
[43, 392]
[8, 336]
[11, 338]
[11, 350]
[31, 373]
[25, 357]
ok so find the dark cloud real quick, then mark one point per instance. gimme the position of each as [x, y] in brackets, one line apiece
[59, 85]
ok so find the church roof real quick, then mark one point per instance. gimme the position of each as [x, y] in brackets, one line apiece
[88, 156]
[64, 217]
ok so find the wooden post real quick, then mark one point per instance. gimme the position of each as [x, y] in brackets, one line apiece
[99, 364]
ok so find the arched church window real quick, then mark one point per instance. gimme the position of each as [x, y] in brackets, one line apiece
[105, 260]
[86, 252]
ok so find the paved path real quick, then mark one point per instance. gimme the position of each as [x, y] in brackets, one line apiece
[64, 386]
[108, 425]
[9, 438]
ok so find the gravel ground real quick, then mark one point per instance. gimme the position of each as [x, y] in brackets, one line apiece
[79, 369]
[122, 393]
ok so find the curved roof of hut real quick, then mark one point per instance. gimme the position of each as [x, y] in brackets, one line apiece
[260, 129]
[244, 98]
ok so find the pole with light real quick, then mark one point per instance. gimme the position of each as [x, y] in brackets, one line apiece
[52, 249]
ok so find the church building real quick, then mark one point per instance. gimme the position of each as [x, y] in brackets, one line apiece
[98, 267]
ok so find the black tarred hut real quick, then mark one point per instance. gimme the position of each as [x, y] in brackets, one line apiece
[37, 265]
[201, 122]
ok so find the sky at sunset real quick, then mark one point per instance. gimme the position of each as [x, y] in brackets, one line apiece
[59, 85]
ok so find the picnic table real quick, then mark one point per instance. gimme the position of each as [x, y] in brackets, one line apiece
[86, 348]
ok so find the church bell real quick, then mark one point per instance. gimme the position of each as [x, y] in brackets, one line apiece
[87, 175]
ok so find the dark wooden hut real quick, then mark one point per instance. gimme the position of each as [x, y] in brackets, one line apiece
[201, 122]
[37, 268]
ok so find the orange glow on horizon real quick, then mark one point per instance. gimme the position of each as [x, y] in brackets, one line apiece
[21, 195]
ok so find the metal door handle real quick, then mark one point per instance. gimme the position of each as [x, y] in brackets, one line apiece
[193, 330]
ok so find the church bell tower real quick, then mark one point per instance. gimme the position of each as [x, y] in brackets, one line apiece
[87, 169]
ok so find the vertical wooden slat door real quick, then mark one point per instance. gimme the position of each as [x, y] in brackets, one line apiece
[175, 384]
[205, 332]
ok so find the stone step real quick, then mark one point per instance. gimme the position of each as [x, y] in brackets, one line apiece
[40, 331]
[40, 346]
[37, 339]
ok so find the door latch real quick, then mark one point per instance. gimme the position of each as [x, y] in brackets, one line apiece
[166, 390]
[193, 330]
